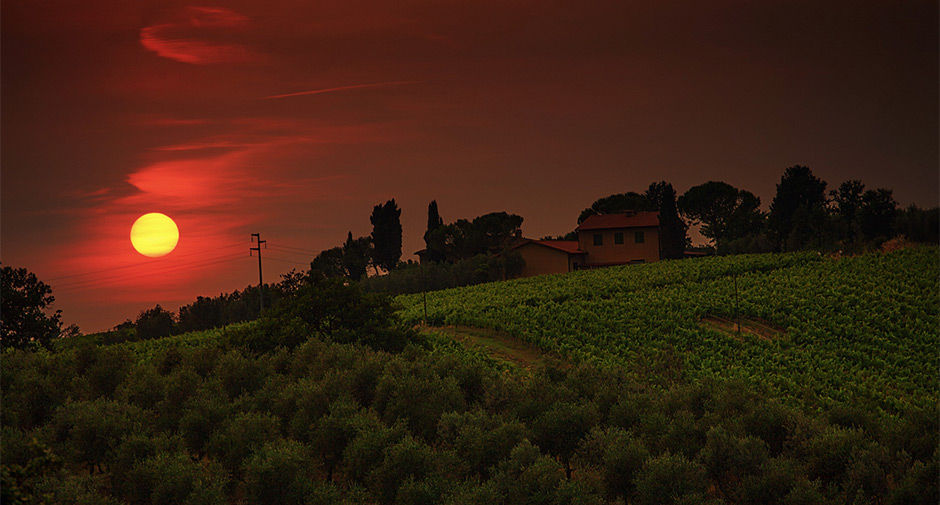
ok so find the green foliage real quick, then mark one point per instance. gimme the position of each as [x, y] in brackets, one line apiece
[644, 404]
[26, 462]
[416, 278]
[90, 431]
[24, 300]
[619, 455]
[835, 317]
[343, 313]
[481, 439]
[418, 396]
[279, 473]
[560, 429]
[242, 435]
[670, 478]
[404, 460]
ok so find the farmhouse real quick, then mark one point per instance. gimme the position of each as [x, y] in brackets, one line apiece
[603, 240]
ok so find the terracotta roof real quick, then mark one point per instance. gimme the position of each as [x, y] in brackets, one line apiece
[621, 220]
[568, 246]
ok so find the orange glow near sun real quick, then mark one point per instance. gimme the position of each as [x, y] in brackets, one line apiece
[154, 235]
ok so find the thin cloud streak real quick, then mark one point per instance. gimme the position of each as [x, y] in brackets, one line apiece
[184, 40]
[343, 88]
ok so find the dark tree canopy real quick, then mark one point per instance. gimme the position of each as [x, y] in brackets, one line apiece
[614, 204]
[798, 209]
[23, 302]
[847, 201]
[877, 214]
[495, 231]
[386, 235]
[491, 233]
[349, 260]
[433, 240]
[356, 254]
[725, 212]
[671, 227]
[329, 263]
[154, 323]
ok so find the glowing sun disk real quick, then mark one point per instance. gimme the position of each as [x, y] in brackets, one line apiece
[154, 235]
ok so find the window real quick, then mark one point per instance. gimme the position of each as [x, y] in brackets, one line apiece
[598, 239]
[639, 238]
[618, 238]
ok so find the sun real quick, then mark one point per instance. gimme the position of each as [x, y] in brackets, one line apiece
[154, 235]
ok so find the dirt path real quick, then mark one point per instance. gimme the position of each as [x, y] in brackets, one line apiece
[499, 346]
[759, 329]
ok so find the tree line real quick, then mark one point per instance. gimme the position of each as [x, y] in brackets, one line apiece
[802, 215]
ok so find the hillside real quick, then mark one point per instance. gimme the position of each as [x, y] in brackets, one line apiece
[647, 396]
[860, 330]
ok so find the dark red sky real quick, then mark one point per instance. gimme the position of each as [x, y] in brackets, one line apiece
[293, 118]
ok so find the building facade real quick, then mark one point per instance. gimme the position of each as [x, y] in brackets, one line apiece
[603, 240]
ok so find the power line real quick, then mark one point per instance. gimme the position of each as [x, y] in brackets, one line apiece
[164, 269]
[287, 261]
[48, 280]
[117, 280]
[278, 249]
[311, 251]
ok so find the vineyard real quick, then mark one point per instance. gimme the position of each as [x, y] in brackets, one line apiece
[860, 330]
[650, 394]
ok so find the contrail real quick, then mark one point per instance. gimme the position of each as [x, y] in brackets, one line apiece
[342, 88]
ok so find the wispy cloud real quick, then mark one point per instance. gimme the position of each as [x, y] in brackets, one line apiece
[342, 88]
[188, 38]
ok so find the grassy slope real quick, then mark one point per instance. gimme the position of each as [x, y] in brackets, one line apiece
[862, 329]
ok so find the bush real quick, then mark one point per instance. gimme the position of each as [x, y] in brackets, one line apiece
[89, 431]
[406, 459]
[414, 393]
[670, 478]
[279, 473]
[620, 457]
[240, 374]
[528, 476]
[243, 435]
[480, 439]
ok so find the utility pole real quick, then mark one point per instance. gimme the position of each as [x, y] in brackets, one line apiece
[257, 236]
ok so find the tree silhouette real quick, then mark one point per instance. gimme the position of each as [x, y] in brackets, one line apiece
[23, 303]
[386, 235]
[433, 238]
[621, 202]
[671, 227]
[798, 209]
[725, 212]
[847, 201]
[154, 323]
[356, 254]
[877, 214]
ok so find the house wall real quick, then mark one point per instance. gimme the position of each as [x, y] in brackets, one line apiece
[629, 251]
[541, 260]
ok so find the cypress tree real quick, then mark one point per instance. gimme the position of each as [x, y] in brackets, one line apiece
[671, 227]
[434, 236]
[386, 235]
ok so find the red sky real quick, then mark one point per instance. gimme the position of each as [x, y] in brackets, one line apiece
[293, 118]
